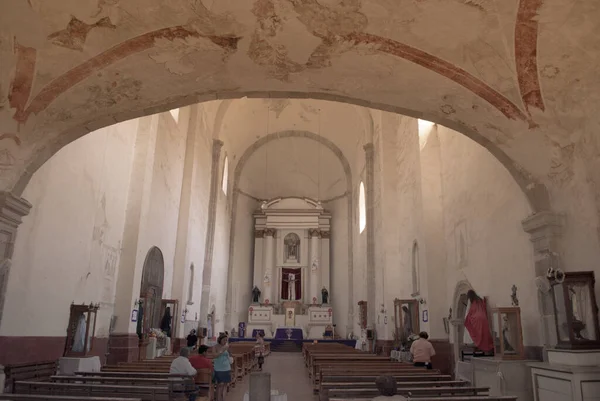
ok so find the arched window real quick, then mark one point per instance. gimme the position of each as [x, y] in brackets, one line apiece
[175, 114]
[191, 286]
[225, 176]
[415, 268]
[362, 208]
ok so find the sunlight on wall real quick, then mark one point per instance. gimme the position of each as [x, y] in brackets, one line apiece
[425, 128]
[175, 114]
[362, 209]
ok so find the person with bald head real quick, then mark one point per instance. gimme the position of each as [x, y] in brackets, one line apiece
[388, 388]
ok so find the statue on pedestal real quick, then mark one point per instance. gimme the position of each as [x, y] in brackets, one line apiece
[255, 294]
[325, 295]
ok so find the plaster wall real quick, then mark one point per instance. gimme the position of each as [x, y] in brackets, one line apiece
[69, 245]
[483, 203]
[398, 218]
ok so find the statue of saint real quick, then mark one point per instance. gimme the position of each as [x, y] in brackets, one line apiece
[255, 294]
[325, 295]
[292, 243]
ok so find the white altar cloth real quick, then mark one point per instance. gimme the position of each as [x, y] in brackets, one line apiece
[68, 366]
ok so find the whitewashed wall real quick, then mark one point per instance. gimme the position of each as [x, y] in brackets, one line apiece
[69, 245]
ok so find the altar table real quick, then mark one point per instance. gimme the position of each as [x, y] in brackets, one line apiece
[281, 333]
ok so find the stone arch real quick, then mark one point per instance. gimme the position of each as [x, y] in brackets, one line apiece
[151, 287]
[536, 192]
[235, 193]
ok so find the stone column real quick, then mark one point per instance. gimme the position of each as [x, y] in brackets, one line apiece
[545, 229]
[315, 267]
[369, 185]
[12, 211]
[210, 231]
[270, 292]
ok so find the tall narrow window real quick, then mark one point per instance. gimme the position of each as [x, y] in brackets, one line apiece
[415, 268]
[225, 176]
[191, 286]
[175, 114]
[362, 208]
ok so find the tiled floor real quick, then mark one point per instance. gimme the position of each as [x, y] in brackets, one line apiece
[288, 375]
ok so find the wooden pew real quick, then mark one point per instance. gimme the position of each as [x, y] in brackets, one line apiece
[371, 384]
[38, 371]
[149, 393]
[45, 397]
[359, 370]
[412, 392]
[445, 398]
[174, 383]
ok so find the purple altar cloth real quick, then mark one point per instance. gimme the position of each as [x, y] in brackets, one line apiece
[280, 334]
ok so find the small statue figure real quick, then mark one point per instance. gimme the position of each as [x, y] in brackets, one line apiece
[255, 294]
[515, 300]
[325, 295]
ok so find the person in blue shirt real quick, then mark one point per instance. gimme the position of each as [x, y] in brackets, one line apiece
[222, 363]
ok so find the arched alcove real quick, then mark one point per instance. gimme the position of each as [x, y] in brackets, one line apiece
[151, 288]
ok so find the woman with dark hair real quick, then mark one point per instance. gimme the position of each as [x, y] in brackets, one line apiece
[222, 363]
[388, 388]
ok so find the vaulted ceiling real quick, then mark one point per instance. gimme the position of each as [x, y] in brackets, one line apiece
[519, 74]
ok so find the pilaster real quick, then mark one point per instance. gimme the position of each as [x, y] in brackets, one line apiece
[369, 185]
[210, 231]
[12, 211]
[545, 229]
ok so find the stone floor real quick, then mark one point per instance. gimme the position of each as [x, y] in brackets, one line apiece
[288, 375]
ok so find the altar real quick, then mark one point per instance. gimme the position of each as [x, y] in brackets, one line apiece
[291, 272]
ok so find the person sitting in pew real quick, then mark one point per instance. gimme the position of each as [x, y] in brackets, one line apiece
[388, 388]
[200, 361]
[182, 366]
[422, 351]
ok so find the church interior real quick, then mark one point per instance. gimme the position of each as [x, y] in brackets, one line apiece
[324, 173]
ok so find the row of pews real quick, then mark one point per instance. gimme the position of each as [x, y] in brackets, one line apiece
[339, 372]
[147, 380]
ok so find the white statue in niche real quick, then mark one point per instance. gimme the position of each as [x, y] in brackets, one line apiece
[315, 265]
[291, 283]
[292, 248]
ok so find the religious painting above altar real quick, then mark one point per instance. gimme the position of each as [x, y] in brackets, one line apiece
[291, 267]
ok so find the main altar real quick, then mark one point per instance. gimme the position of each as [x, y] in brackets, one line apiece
[291, 273]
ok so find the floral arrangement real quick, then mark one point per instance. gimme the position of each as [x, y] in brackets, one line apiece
[158, 333]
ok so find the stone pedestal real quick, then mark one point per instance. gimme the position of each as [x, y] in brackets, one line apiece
[504, 378]
[569, 376]
[319, 317]
[260, 387]
[68, 366]
[260, 318]
[123, 348]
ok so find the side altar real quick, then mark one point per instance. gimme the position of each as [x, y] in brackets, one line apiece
[291, 273]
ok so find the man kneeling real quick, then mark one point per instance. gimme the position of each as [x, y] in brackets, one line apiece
[388, 388]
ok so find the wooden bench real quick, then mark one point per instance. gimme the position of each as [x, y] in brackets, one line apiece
[39, 371]
[174, 383]
[44, 397]
[149, 393]
[445, 398]
[412, 392]
[372, 384]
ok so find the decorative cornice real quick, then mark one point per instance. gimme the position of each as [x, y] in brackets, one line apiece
[13, 209]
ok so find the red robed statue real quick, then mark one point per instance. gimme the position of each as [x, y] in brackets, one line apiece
[477, 323]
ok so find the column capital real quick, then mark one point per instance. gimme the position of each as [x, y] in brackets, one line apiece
[314, 232]
[326, 234]
[369, 148]
[269, 232]
[13, 209]
[259, 233]
[544, 228]
[217, 143]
